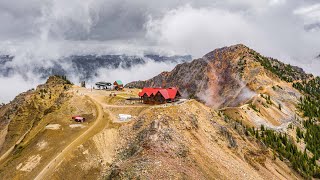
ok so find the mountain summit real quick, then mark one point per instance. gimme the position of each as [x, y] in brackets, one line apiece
[225, 76]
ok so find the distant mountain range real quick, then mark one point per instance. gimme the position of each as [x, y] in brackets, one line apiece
[86, 66]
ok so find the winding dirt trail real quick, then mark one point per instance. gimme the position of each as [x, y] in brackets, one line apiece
[104, 116]
[98, 125]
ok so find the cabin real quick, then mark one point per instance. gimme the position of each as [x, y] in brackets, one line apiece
[118, 85]
[103, 85]
[159, 95]
[78, 119]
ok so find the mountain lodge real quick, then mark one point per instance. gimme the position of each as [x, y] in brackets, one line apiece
[118, 85]
[159, 95]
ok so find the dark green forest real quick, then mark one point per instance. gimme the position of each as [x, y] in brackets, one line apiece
[286, 148]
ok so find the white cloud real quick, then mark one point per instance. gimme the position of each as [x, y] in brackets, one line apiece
[136, 73]
[198, 30]
[277, 2]
[12, 86]
[311, 13]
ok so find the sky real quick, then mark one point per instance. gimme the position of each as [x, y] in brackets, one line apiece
[38, 32]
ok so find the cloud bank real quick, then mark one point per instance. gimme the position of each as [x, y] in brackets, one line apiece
[38, 32]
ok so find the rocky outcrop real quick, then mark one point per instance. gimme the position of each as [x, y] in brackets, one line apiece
[190, 141]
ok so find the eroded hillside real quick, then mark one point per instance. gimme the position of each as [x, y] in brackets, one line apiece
[191, 141]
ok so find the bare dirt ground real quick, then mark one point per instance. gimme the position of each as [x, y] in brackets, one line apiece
[106, 113]
[53, 143]
[91, 151]
[99, 123]
[197, 134]
[46, 139]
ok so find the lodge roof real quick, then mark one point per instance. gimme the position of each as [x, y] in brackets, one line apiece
[167, 93]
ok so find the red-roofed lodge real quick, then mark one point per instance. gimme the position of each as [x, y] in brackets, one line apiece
[159, 95]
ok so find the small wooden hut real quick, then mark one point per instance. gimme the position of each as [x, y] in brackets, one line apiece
[118, 85]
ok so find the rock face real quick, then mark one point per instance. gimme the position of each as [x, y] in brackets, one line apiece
[225, 76]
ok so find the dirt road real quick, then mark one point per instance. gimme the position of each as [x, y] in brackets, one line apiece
[100, 122]
[104, 116]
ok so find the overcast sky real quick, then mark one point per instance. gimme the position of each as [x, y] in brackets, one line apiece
[275, 27]
[36, 31]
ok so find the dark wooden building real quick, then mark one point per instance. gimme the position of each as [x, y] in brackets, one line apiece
[118, 85]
